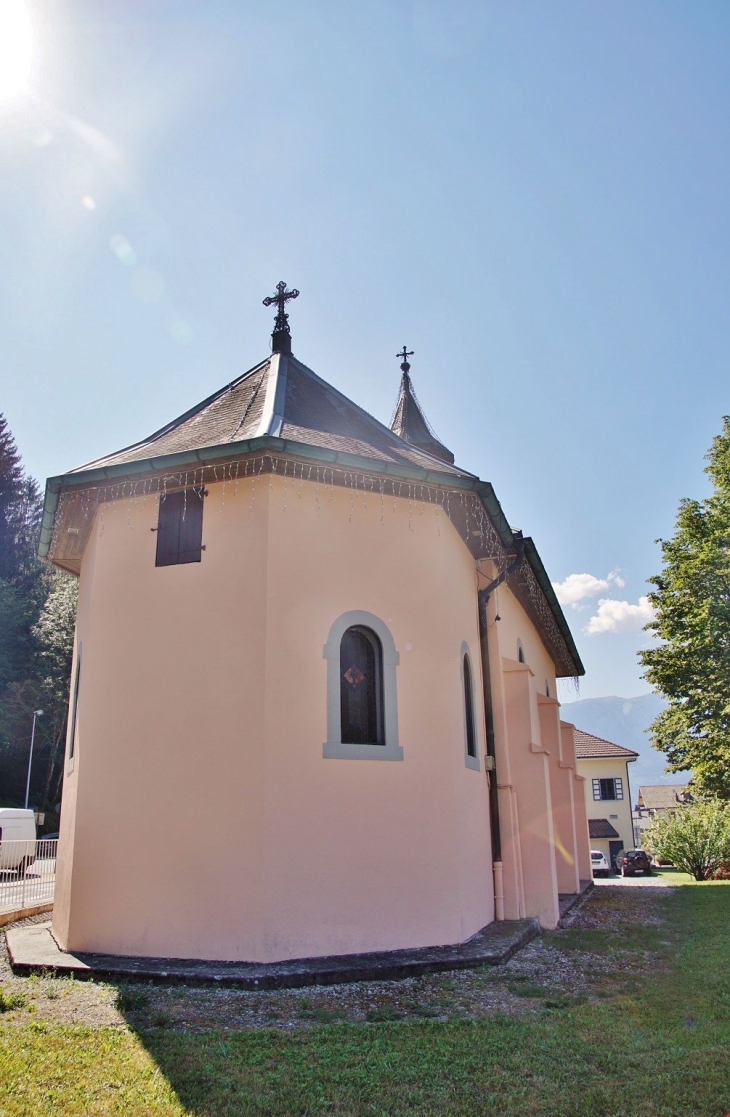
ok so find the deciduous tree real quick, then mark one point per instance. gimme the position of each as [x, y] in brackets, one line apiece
[691, 666]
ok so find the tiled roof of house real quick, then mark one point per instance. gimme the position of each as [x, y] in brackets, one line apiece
[588, 747]
[662, 796]
[601, 828]
[283, 398]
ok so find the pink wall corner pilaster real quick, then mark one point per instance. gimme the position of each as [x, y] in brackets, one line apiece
[561, 775]
[582, 840]
[531, 782]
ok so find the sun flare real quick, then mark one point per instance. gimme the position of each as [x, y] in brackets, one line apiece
[16, 48]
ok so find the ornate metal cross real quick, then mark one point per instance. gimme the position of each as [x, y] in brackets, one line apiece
[405, 367]
[281, 337]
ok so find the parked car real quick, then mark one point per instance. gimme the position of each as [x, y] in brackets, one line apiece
[17, 839]
[599, 863]
[632, 861]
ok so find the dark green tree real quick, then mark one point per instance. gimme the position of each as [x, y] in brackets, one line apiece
[691, 599]
[37, 614]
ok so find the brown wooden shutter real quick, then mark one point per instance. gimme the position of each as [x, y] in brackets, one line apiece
[180, 528]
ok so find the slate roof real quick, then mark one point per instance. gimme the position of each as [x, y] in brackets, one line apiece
[411, 424]
[662, 797]
[282, 397]
[588, 747]
[281, 406]
[601, 828]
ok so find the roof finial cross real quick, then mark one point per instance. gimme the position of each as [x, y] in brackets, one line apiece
[281, 337]
[405, 367]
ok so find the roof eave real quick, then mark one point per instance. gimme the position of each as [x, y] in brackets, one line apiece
[206, 455]
[532, 556]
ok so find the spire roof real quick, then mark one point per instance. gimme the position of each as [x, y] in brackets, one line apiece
[409, 422]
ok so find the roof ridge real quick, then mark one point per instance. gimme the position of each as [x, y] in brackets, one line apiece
[150, 438]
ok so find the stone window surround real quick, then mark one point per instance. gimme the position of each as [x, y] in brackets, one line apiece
[470, 761]
[333, 748]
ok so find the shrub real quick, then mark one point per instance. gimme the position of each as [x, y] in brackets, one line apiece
[696, 839]
[130, 999]
[11, 1001]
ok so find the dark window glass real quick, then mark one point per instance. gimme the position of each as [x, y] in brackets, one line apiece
[471, 743]
[520, 654]
[608, 789]
[74, 706]
[361, 688]
[180, 527]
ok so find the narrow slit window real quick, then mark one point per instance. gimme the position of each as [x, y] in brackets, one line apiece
[74, 707]
[471, 741]
[361, 687]
[180, 527]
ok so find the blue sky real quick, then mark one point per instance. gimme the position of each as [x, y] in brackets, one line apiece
[532, 195]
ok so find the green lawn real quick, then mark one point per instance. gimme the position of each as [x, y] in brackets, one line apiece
[662, 1050]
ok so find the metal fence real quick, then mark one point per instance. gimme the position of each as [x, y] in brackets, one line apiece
[27, 873]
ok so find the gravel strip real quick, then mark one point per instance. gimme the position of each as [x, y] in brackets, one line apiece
[585, 960]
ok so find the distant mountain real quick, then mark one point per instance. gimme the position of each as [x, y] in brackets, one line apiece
[625, 721]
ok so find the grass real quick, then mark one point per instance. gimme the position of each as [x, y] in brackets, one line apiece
[660, 1050]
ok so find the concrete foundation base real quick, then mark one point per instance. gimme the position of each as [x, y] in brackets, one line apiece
[33, 949]
[568, 900]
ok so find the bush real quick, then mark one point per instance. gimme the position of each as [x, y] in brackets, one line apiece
[696, 839]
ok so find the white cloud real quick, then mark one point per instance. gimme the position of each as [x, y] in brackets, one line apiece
[577, 587]
[619, 616]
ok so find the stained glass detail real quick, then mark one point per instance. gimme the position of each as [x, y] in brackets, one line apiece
[355, 676]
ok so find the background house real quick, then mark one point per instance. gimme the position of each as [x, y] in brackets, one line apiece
[657, 800]
[604, 766]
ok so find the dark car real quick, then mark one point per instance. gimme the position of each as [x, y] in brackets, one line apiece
[631, 861]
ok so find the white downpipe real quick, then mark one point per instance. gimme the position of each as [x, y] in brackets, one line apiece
[498, 890]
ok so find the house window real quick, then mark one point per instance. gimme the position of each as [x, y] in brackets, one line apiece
[471, 741]
[180, 527]
[520, 652]
[608, 789]
[362, 702]
[361, 687]
[74, 707]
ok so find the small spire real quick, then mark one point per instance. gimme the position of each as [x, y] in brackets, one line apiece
[281, 337]
[409, 422]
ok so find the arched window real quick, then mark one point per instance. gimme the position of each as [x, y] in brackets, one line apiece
[520, 652]
[471, 740]
[361, 687]
[362, 699]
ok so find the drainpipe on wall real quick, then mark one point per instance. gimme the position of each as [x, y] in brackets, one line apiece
[491, 758]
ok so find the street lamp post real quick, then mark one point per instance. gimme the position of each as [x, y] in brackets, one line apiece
[36, 714]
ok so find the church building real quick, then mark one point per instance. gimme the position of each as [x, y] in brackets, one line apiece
[313, 699]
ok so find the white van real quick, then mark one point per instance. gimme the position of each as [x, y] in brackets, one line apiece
[17, 839]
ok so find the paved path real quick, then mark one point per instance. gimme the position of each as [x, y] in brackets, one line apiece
[636, 882]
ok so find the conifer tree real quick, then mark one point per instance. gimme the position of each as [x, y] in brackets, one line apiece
[691, 667]
[37, 614]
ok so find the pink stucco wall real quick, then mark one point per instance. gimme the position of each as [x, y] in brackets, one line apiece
[202, 817]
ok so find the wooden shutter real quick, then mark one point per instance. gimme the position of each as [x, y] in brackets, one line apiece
[596, 789]
[180, 528]
[619, 787]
